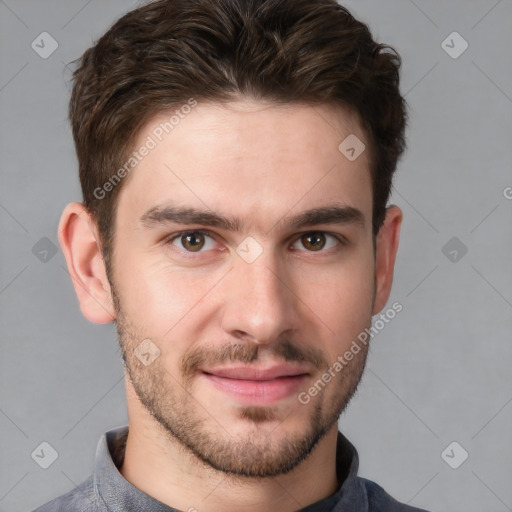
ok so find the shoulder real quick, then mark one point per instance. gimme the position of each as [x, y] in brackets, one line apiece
[79, 499]
[380, 501]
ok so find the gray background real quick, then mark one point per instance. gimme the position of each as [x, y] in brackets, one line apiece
[438, 373]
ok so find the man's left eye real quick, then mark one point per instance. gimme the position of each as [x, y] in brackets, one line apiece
[318, 240]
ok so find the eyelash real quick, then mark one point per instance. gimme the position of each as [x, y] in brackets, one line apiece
[342, 241]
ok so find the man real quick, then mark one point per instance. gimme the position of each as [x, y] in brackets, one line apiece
[236, 158]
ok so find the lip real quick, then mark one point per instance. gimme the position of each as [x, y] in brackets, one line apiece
[256, 373]
[251, 385]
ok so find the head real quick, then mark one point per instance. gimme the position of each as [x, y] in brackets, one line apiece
[236, 121]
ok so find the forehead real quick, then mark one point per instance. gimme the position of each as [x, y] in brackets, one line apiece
[250, 158]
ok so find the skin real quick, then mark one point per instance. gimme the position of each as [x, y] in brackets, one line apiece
[191, 444]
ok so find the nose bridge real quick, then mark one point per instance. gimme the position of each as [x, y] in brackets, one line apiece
[259, 303]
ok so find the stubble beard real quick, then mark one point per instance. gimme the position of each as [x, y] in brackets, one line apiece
[258, 454]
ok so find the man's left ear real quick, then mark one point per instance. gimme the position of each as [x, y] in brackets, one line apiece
[386, 248]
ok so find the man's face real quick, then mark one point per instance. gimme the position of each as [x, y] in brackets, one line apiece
[269, 293]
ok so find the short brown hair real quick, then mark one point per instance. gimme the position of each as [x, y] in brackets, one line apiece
[160, 55]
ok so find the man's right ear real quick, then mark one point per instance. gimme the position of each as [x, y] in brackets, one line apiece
[80, 243]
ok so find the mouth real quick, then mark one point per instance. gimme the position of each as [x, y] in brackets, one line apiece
[251, 385]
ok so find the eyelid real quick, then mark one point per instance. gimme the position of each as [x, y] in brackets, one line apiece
[177, 234]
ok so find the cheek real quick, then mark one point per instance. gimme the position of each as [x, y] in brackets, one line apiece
[341, 296]
[158, 296]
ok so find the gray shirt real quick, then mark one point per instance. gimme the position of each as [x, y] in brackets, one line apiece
[108, 491]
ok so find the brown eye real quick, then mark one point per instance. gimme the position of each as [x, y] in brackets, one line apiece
[193, 241]
[319, 241]
[313, 241]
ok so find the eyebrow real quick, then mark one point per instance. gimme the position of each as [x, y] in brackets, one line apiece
[332, 214]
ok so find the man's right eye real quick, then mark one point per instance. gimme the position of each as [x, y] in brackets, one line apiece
[192, 241]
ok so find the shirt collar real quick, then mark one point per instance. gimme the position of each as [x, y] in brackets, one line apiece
[119, 495]
[110, 486]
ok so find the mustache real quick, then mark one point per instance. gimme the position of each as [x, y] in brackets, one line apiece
[248, 353]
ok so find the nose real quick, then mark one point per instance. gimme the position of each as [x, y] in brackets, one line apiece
[260, 303]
